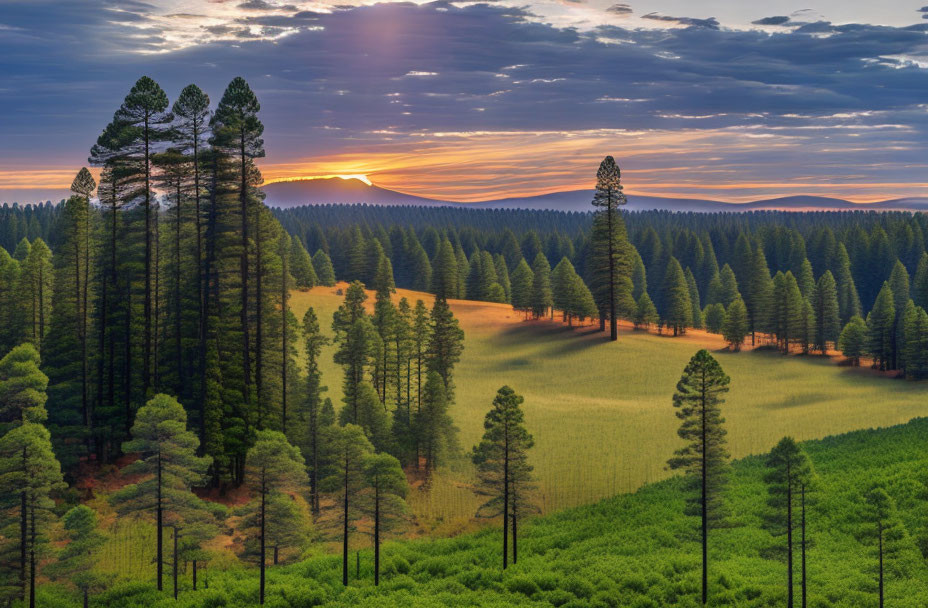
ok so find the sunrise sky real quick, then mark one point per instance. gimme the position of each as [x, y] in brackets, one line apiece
[724, 99]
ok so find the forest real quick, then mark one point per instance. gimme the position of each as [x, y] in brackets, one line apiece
[148, 334]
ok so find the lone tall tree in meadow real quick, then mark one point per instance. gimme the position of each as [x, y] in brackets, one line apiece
[272, 466]
[500, 458]
[168, 465]
[704, 459]
[788, 477]
[610, 261]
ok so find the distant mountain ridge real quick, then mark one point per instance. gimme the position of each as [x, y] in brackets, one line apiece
[336, 190]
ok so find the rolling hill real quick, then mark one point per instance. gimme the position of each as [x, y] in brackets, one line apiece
[336, 190]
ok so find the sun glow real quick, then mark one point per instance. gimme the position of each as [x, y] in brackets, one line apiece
[358, 176]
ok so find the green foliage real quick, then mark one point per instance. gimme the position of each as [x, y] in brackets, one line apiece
[714, 318]
[645, 311]
[853, 339]
[678, 313]
[22, 387]
[522, 280]
[322, 265]
[542, 295]
[881, 328]
[735, 325]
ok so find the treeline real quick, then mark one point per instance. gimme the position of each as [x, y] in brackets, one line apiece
[170, 277]
[30, 222]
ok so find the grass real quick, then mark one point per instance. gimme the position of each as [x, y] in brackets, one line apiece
[601, 412]
[636, 550]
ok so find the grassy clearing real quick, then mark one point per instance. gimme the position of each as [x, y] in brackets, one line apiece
[635, 550]
[601, 412]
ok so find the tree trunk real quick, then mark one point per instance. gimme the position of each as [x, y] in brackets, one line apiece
[175, 562]
[32, 562]
[146, 355]
[789, 536]
[194, 575]
[263, 555]
[377, 536]
[515, 536]
[703, 503]
[881, 562]
[243, 271]
[160, 532]
[506, 500]
[803, 541]
[345, 529]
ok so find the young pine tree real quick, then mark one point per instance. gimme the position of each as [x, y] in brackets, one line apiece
[542, 295]
[272, 466]
[382, 501]
[704, 460]
[168, 465]
[884, 530]
[853, 340]
[446, 343]
[500, 458]
[789, 473]
[735, 325]
[76, 562]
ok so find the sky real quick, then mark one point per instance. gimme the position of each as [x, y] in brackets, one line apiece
[721, 99]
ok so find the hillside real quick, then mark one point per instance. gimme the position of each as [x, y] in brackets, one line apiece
[601, 412]
[336, 190]
[631, 550]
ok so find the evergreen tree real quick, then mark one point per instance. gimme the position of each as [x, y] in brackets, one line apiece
[714, 318]
[806, 279]
[23, 247]
[610, 262]
[915, 333]
[848, 300]
[446, 343]
[36, 287]
[920, 282]
[11, 322]
[787, 316]
[29, 474]
[168, 465]
[501, 459]
[881, 329]
[885, 530]
[445, 272]
[301, 266]
[312, 404]
[76, 563]
[853, 339]
[345, 481]
[436, 435]
[22, 387]
[322, 265]
[759, 295]
[273, 466]
[542, 295]
[789, 471]
[522, 281]
[502, 276]
[899, 284]
[694, 298]
[382, 501]
[704, 460]
[827, 312]
[678, 312]
[646, 312]
[735, 325]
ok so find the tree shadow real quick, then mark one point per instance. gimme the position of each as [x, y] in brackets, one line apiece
[555, 337]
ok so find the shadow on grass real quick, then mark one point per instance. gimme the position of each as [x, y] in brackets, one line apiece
[555, 338]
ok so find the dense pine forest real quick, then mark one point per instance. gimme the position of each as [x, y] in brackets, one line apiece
[147, 334]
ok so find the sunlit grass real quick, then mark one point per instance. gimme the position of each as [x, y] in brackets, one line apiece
[601, 412]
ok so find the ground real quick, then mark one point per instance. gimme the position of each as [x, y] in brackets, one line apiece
[601, 411]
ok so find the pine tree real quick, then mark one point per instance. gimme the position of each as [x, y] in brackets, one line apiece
[787, 310]
[848, 300]
[881, 329]
[714, 318]
[679, 310]
[500, 455]
[542, 294]
[915, 333]
[11, 326]
[345, 481]
[445, 272]
[646, 313]
[272, 466]
[920, 282]
[323, 268]
[735, 325]
[883, 526]
[789, 472]
[759, 295]
[522, 280]
[806, 279]
[436, 435]
[168, 465]
[704, 460]
[237, 134]
[899, 284]
[853, 339]
[36, 286]
[446, 343]
[285, 526]
[694, 298]
[610, 263]
[312, 403]
[29, 474]
[144, 121]
[22, 387]
[382, 501]
[827, 312]
[76, 563]
[301, 265]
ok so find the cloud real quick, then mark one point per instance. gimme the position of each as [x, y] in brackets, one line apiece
[710, 23]
[349, 83]
[261, 5]
[620, 9]
[778, 20]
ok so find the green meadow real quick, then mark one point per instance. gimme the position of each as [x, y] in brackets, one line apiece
[601, 412]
